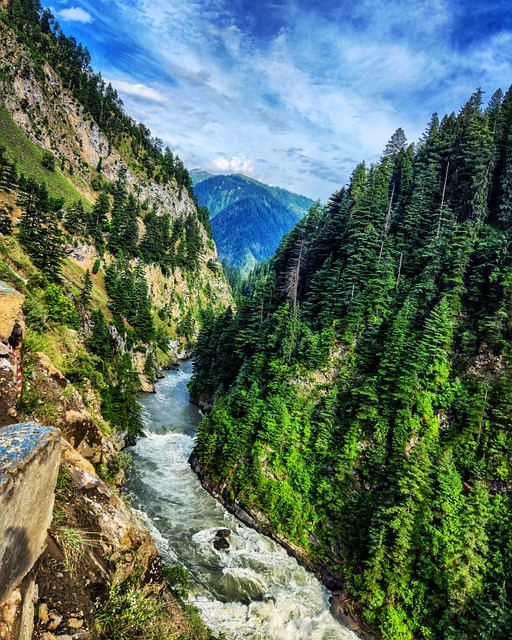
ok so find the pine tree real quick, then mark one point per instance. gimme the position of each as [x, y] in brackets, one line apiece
[117, 222]
[99, 341]
[85, 294]
[40, 231]
[75, 219]
[395, 144]
[6, 220]
[8, 175]
[97, 220]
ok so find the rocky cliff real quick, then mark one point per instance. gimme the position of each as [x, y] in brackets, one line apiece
[33, 96]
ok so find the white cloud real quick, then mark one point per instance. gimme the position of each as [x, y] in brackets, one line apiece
[75, 14]
[237, 164]
[138, 91]
[334, 81]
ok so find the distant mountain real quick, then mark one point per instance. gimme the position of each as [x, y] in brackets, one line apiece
[199, 176]
[249, 218]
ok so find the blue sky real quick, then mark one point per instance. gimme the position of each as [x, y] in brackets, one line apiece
[292, 93]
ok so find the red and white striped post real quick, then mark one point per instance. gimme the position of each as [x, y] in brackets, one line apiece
[19, 377]
[20, 380]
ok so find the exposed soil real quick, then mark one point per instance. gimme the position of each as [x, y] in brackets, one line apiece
[66, 596]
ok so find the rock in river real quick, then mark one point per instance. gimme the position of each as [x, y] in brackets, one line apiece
[221, 544]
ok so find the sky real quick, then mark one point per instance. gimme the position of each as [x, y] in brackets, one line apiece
[293, 93]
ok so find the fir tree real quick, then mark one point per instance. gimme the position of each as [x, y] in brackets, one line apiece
[40, 231]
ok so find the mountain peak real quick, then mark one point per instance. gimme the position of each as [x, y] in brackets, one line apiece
[249, 217]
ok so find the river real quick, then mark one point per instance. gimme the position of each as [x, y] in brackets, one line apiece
[253, 590]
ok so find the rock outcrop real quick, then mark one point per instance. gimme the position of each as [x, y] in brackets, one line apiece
[29, 462]
[115, 547]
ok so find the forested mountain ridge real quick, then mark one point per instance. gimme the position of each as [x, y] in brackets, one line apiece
[363, 390]
[107, 266]
[248, 217]
[223, 190]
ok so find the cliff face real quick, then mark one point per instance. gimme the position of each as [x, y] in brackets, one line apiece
[46, 112]
[56, 121]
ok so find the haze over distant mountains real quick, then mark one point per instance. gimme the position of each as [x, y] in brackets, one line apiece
[248, 217]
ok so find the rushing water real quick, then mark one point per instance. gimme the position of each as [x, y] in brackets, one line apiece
[252, 591]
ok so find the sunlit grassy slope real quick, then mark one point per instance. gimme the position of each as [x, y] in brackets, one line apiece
[28, 160]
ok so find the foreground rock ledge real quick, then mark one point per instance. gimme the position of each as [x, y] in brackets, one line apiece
[29, 463]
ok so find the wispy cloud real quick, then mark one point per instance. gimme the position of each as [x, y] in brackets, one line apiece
[237, 85]
[76, 14]
[137, 90]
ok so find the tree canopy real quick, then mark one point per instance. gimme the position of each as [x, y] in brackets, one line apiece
[363, 389]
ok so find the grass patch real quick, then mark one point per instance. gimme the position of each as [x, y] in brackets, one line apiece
[74, 544]
[129, 613]
[38, 342]
[10, 276]
[73, 276]
[28, 157]
[17, 268]
[63, 479]
[133, 611]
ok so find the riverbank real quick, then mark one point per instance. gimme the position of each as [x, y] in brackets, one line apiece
[254, 590]
[343, 607]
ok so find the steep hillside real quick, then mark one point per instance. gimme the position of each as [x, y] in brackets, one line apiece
[249, 218]
[107, 268]
[36, 104]
[198, 176]
[363, 391]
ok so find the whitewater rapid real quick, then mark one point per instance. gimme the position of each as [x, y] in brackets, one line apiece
[253, 590]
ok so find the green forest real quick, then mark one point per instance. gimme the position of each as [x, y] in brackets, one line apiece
[248, 218]
[362, 390]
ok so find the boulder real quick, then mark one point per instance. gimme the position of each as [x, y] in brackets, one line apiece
[82, 433]
[29, 463]
[55, 374]
[221, 544]
[116, 524]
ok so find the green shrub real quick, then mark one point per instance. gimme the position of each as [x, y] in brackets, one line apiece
[130, 612]
[109, 471]
[48, 161]
[82, 366]
[35, 312]
[60, 307]
[177, 577]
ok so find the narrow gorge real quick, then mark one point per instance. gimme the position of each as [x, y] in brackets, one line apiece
[248, 587]
[349, 474]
